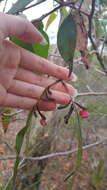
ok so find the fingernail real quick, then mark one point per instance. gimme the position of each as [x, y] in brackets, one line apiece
[75, 93]
[73, 77]
[44, 42]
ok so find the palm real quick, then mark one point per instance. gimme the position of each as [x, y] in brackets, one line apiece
[8, 67]
[20, 87]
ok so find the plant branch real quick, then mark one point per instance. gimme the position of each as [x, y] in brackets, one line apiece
[71, 5]
[5, 6]
[59, 1]
[45, 15]
[7, 144]
[12, 114]
[101, 54]
[92, 94]
[33, 5]
[81, 4]
[90, 17]
[99, 71]
[103, 141]
[78, 9]
[97, 54]
[62, 4]
[56, 8]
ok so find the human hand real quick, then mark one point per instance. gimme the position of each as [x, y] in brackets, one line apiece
[20, 87]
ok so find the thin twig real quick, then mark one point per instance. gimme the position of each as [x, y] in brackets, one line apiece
[77, 8]
[90, 18]
[8, 182]
[101, 54]
[12, 120]
[89, 88]
[62, 4]
[45, 15]
[57, 153]
[97, 54]
[71, 5]
[54, 55]
[13, 114]
[5, 6]
[81, 4]
[92, 94]
[7, 144]
[55, 9]
[33, 5]
[100, 71]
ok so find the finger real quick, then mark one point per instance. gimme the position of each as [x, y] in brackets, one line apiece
[38, 64]
[14, 26]
[32, 91]
[15, 101]
[40, 80]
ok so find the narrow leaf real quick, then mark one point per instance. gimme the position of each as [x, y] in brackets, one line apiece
[79, 138]
[23, 44]
[19, 142]
[77, 165]
[39, 49]
[66, 40]
[64, 12]
[51, 18]
[18, 6]
[6, 119]
[36, 48]
[8, 186]
[98, 175]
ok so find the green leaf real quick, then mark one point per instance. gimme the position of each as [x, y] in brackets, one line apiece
[6, 119]
[51, 18]
[23, 44]
[103, 2]
[100, 27]
[77, 165]
[39, 49]
[66, 40]
[19, 139]
[79, 138]
[19, 142]
[98, 175]
[36, 48]
[64, 12]
[8, 186]
[19, 5]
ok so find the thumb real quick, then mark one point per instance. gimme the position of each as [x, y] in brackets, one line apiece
[14, 26]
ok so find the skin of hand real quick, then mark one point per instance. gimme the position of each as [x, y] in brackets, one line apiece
[20, 87]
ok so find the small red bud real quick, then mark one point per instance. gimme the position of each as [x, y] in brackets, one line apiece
[43, 122]
[84, 113]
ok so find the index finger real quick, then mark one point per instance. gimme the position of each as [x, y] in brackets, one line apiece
[35, 63]
[14, 26]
